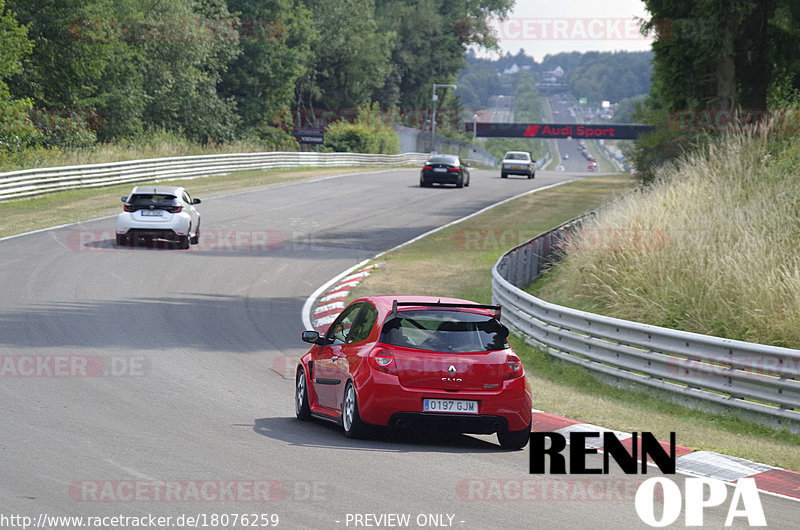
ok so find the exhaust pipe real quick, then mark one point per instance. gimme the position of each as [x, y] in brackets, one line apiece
[401, 423]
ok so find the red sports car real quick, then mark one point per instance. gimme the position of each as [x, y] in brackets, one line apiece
[416, 362]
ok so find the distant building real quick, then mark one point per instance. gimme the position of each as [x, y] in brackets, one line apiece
[558, 73]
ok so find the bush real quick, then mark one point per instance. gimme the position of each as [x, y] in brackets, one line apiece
[368, 134]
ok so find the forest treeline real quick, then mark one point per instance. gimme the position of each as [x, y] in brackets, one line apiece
[717, 65]
[76, 72]
[596, 76]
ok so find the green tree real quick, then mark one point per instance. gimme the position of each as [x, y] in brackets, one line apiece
[432, 37]
[713, 53]
[16, 130]
[275, 39]
[477, 84]
[139, 64]
[351, 57]
[611, 76]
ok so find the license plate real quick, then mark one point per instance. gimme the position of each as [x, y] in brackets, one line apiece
[439, 169]
[516, 167]
[450, 405]
[153, 212]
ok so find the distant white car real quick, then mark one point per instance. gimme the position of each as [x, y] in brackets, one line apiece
[518, 163]
[159, 212]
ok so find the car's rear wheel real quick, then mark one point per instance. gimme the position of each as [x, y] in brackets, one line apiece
[531, 175]
[122, 240]
[183, 242]
[301, 406]
[353, 426]
[504, 175]
[196, 237]
[460, 181]
[514, 440]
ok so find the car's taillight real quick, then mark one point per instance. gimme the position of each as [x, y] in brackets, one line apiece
[127, 207]
[454, 170]
[383, 360]
[427, 168]
[175, 209]
[513, 367]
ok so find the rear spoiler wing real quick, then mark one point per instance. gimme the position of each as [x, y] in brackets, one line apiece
[396, 304]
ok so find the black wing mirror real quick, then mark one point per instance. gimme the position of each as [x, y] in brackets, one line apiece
[196, 201]
[124, 199]
[312, 337]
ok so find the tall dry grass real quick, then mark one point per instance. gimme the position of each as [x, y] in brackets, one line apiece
[713, 246]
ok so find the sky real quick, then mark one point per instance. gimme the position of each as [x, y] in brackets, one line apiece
[544, 27]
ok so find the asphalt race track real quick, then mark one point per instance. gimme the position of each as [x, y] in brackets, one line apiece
[125, 369]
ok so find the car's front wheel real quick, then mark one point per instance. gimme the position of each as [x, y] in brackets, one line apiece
[301, 406]
[514, 440]
[354, 426]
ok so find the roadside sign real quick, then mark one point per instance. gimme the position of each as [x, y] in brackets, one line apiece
[559, 130]
[309, 136]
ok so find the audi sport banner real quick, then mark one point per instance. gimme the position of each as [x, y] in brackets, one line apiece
[559, 130]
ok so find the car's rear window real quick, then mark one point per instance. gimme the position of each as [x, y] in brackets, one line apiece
[443, 160]
[445, 331]
[145, 200]
[517, 156]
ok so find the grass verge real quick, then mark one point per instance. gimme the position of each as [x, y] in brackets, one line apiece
[24, 215]
[457, 262]
[710, 247]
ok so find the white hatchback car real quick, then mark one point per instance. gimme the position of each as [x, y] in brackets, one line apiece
[159, 212]
[518, 163]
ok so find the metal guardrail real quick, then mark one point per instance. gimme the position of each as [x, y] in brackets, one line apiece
[764, 380]
[543, 161]
[32, 182]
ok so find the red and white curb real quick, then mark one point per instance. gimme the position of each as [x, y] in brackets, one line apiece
[783, 482]
[331, 303]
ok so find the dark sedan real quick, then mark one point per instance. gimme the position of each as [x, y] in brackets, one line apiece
[444, 169]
